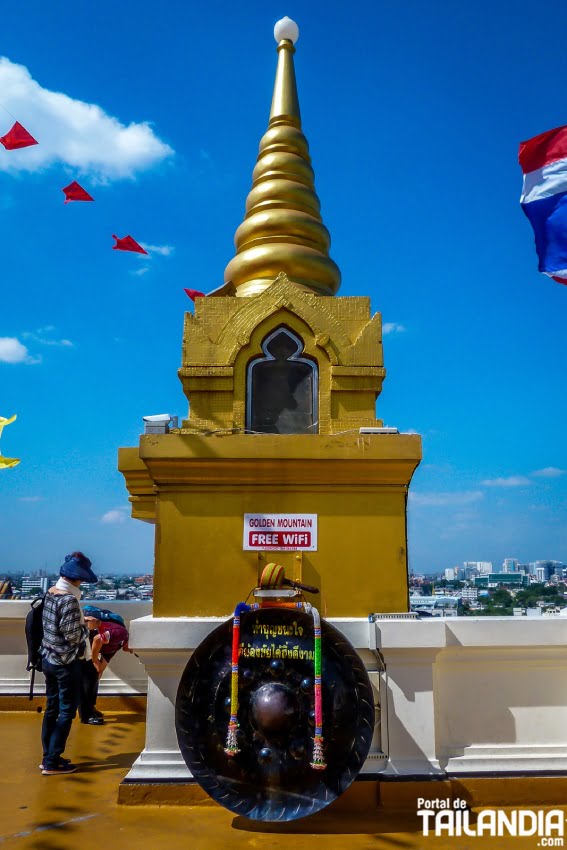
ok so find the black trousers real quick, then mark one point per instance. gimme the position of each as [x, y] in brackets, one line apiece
[89, 689]
[62, 687]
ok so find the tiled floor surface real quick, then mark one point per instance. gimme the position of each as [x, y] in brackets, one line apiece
[79, 811]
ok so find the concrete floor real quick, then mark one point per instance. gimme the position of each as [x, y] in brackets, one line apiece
[80, 810]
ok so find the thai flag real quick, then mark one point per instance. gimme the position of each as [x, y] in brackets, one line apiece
[543, 160]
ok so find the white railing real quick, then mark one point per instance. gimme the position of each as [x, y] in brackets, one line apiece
[476, 695]
[125, 674]
[459, 695]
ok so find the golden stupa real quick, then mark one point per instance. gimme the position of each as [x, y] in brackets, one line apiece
[282, 377]
[282, 231]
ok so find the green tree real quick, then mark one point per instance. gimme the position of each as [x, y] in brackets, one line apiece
[501, 597]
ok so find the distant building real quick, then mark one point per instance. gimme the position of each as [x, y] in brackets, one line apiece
[506, 579]
[450, 574]
[104, 594]
[469, 594]
[438, 606]
[510, 565]
[480, 567]
[551, 611]
[543, 570]
[34, 584]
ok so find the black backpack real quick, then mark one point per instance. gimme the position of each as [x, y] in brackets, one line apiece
[34, 637]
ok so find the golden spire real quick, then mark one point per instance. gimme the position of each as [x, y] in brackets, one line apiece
[283, 230]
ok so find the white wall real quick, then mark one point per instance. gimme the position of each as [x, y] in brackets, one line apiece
[476, 694]
[461, 695]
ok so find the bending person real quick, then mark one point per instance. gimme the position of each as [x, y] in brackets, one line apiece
[107, 637]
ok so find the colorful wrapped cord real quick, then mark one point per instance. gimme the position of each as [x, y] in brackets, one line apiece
[231, 749]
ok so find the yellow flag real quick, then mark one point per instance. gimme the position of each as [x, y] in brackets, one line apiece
[7, 462]
[4, 421]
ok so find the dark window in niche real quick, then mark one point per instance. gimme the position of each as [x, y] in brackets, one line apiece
[282, 387]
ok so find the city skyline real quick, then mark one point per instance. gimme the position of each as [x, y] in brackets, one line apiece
[488, 566]
[414, 117]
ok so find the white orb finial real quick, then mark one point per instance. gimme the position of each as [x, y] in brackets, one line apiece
[286, 28]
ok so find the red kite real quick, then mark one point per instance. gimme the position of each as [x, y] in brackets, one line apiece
[127, 244]
[194, 293]
[75, 192]
[17, 137]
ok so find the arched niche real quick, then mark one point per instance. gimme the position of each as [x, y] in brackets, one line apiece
[282, 387]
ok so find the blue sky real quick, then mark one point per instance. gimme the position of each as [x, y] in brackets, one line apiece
[414, 113]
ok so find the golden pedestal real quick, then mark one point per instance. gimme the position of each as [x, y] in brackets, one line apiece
[203, 486]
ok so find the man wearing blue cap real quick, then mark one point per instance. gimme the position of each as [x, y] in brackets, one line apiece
[65, 642]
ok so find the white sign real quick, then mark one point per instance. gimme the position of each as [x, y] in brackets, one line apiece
[280, 532]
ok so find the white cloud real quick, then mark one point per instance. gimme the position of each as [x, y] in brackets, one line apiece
[30, 499]
[461, 522]
[392, 328]
[466, 497]
[42, 336]
[14, 351]
[153, 250]
[511, 481]
[78, 134]
[549, 472]
[164, 250]
[466, 517]
[114, 517]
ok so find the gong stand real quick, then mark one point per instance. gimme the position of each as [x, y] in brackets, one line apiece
[249, 724]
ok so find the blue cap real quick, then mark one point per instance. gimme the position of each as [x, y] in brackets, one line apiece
[78, 567]
[92, 611]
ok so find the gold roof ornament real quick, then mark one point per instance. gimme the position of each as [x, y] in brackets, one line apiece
[282, 230]
[7, 462]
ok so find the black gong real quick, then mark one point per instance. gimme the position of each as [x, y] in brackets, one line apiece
[271, 779]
